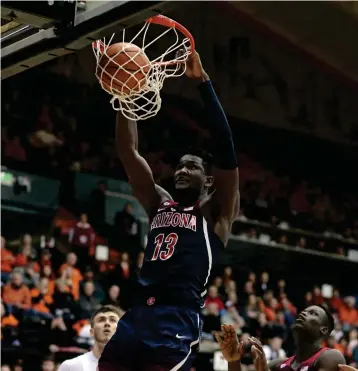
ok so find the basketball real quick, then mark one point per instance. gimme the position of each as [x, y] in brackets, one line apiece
[123, 68]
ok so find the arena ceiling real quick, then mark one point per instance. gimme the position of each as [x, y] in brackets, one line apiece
[327, 32]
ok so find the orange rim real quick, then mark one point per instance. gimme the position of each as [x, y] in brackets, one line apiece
[160, 20]
[170, 23]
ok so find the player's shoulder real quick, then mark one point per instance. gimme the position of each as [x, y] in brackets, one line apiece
[73, 364]
[330, 357]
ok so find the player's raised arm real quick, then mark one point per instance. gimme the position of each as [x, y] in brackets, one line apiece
[138, 171]
[225, 169]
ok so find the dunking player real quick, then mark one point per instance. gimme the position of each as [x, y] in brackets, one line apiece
[103, 325]
[162, 329]
[312, 326]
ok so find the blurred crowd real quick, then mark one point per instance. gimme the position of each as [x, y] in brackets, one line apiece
[48, 298]
[52, 126]
[67, 127]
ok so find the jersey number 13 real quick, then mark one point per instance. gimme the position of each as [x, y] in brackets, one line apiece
[164, 246]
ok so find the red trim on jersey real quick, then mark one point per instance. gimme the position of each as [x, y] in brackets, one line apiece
[168, 203]
[310, 362]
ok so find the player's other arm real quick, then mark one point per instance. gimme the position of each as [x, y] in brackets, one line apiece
[329, 360]
[138, 171]
[225, 169]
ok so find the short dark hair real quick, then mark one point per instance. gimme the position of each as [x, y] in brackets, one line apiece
[204, 155]
[330, 319]
[106, 309]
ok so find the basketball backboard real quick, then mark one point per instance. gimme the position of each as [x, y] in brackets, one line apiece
[34, 32]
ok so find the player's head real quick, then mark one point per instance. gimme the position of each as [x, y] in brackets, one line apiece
[104, 323]
[193, 172]
[314, 323]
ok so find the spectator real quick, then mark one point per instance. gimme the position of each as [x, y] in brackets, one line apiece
[274, 349]
[227, 277]
[281, 287]
[213, 298]
[302, 243]
[16, 292]
[271, 309]
[232, 317]
[252, 312]
[22, 258]
[211, 320]
[289, 311]
[89, 277]
[317, 296]
[352, 340]
[126, 224]
[332, 343]
[308, 299]
[342, 346]
[336, 301]
[71, 275]
[88, 303]
[48, 364]
[32, 273]
[47, 272]
[41, 297]
[81, 238]
[7, 261]
[248, 290]
[124, 264]
[63, 303]
[45, 259]
[348, 314]
[9, 324]
[252, 277]
[113, 296]
[337, 332]
[264, 283]
[218, 283]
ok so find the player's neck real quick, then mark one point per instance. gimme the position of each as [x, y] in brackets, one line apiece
[306, 349]
[187, 197]
[98, 349]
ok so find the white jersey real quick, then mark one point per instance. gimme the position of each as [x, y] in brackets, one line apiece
[85, 362]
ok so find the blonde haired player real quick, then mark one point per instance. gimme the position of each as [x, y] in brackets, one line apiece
[103, 325]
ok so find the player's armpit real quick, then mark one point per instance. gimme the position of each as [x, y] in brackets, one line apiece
[329, 360]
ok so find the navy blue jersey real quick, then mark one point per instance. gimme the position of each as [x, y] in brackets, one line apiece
[180, 253]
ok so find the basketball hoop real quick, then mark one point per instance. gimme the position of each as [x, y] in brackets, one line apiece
[145, 102]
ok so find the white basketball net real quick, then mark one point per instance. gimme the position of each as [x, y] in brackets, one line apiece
[146, 102]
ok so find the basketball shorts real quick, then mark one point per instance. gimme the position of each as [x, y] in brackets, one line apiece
[158, 338]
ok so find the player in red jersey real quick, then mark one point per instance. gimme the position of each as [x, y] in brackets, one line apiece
[312, 326]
